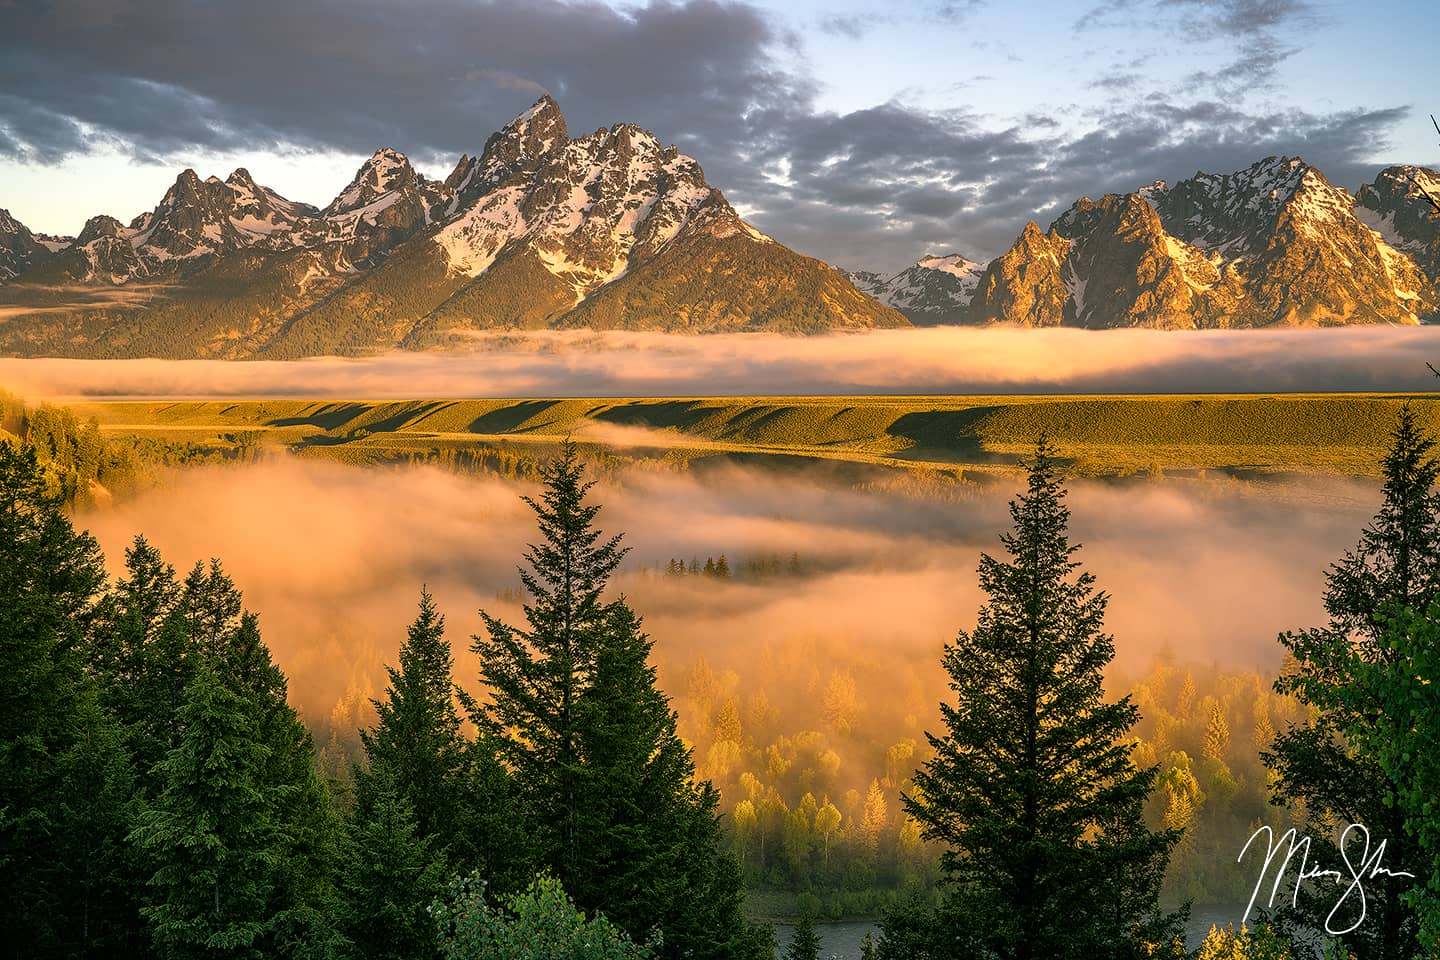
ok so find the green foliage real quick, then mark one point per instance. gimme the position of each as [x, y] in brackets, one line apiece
[804, 942]
[409, 818]
[391, 874]
[539, 923]
[605, 786]
[416, 748]
[55, 740]
[1031, 789]
[212, 834]
[1397, 693]
[1320, 765]
[536, 676]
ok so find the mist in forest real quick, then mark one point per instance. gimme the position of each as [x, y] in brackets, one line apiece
[830, 583]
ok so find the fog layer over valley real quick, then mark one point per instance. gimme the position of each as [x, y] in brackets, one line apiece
[828, 578]
[945, 360]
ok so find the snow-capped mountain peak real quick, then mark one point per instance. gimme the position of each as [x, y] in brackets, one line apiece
[586, 208]
[387, 173]
[936, 289]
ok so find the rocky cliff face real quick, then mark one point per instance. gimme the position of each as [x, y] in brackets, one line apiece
[1400, 207]
[1025, 286]
[19, 248]
[1274, 244]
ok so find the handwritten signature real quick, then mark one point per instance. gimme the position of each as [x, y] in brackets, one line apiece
[1368, 867]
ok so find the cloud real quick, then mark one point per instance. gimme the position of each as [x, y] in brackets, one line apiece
[1261, 33]
[348, 75]
[952, 360]
[726, 80]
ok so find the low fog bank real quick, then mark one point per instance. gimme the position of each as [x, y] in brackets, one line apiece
[333, 558]
[926, 361]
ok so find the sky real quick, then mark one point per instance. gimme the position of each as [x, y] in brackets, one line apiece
[864, 133]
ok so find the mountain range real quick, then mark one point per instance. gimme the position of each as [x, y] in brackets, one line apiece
[614, 230]
[608, 230]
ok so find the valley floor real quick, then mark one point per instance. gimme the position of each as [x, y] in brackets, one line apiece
[1247, 437]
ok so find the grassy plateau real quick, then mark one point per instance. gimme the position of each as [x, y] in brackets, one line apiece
[1241, 436]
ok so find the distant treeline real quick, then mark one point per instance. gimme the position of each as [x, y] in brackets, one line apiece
[78, 463]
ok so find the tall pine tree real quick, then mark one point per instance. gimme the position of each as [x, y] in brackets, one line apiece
[390, 875]
[416, 750]
[208, 636]
[403, 834]
[537, 675]
[211, 835]
[1395, 567]
[648, 833]
[605, 785]
[1031, 790]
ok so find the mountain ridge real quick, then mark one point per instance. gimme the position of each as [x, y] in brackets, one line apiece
[521, 236]
[615, 230]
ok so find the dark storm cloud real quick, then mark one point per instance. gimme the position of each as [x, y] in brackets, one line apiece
[435, 76]
[874, 187]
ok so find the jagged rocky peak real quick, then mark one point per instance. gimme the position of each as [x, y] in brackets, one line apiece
[587, 209]
[1239, 212]
[187, 220]
[262, 210]
[9, 225]
[198, 218]
[97, 227]
[1400, 206]
[104, 251]
[523, 144]
[386, 172]
[19, 248]
[1023, 286]
[934, 290]
[1274, 243]
[1114, 211]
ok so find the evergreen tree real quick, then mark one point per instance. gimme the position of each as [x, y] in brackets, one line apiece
[605, 785]
[407, 823]
[416, 749]
[217, 850]
[1398, 694]
[99, 911]
[649, 834]
[143, 655]
[50, 581]
[392, 873]
[1395, 567]
[804, 941]
[219, 639]
[1031, 789]
[537, 675]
